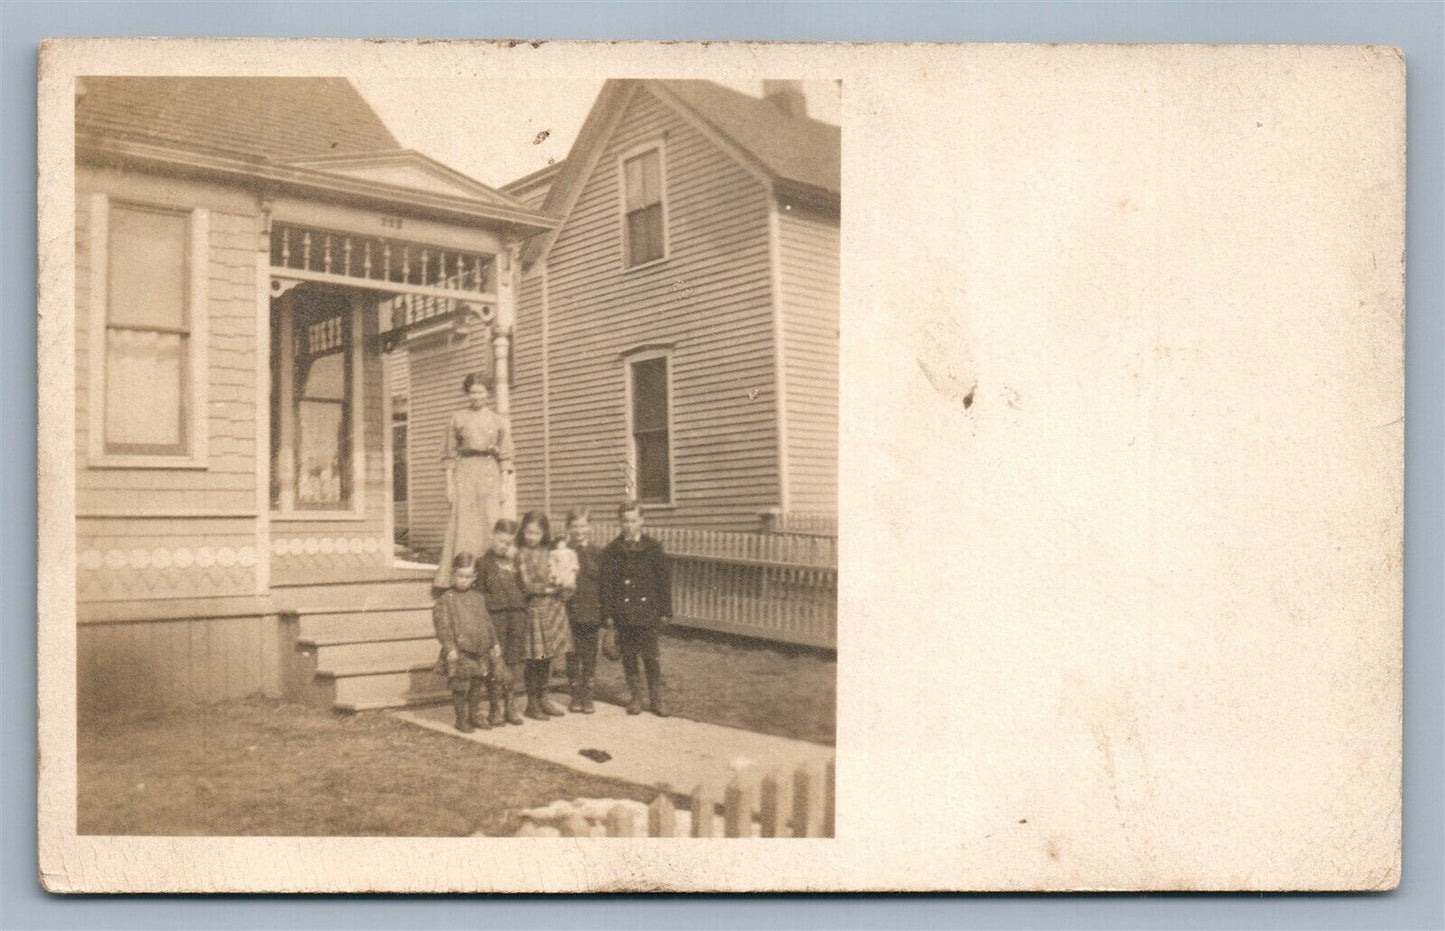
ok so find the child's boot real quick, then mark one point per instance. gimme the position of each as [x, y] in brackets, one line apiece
[534, 698]
[463, 721]
[474, 704]
[544, 678]
[497, 716]
[574, 682]
[654, 691]
[634, 685]
[587, 695]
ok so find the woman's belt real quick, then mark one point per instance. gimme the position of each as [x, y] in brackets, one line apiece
[471, 453]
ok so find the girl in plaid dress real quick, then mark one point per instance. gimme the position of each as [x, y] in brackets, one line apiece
[548, 633]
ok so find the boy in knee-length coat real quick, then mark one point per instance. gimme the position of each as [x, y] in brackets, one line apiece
[636, 583]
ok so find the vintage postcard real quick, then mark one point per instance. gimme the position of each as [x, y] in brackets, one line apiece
[522, 467]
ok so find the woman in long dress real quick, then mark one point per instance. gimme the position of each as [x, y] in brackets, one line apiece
[477, 453]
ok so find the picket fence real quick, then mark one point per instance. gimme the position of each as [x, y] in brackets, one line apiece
[803, 806]
[773, 586]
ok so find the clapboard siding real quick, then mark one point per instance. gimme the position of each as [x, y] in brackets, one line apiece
[808, 257]
[711, 299]
[167, 663]
[123, 553]
[229, 479]
[527, 391]
[437, 365]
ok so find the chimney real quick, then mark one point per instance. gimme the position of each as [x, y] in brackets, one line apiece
[786, 96]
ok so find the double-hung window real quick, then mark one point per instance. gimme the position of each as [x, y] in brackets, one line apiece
[644, 227]
[148, 316]
[649, 389]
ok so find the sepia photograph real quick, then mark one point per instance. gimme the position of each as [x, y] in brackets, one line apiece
[486, 490]
[464, 465]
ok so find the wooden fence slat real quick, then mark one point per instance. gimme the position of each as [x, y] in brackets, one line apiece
[662, 817]
[803, 802]
[620, 822]
[770, 813]
[737, 811]
[703, 812]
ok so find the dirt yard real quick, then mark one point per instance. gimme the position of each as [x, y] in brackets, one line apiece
[276, 769]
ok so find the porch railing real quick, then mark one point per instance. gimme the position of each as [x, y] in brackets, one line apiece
[781, 587]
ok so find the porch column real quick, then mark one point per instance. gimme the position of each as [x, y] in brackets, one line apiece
[501, 352]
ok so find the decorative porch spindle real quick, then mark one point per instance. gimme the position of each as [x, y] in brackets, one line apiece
[366, 264]
[306, 251]
[285, 247]
[346, 255]
[326, 254]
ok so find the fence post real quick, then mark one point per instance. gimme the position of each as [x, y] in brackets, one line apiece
[803, 802]
[737, 811]
[576, 826]
[703, 812]
[830, 786]
[770, 812]
[661, 817]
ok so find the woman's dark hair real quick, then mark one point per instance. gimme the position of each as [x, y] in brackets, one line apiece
[629, 505]
[472, 379]
[463, 560]
[540, 519]
[576, 514]
[506, 526]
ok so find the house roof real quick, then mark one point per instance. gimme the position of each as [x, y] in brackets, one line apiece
[255, 117]
[315, 134]
[532, 189]
[792, 148]
[799, 155]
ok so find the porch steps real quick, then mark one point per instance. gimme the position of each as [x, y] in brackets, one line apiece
[364, 644]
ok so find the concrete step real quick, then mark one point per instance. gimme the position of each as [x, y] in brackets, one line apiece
[389, 684]
[381, 624]
[365, 654]
[418, 700]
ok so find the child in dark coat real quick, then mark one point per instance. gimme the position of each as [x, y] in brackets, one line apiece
[498, 580]
[637, 598]
[470, 655]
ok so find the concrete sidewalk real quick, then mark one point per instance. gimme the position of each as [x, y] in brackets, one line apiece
[645, 749]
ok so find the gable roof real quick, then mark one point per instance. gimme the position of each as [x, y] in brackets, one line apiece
[791, 148]
[799, 156]
[252, 117]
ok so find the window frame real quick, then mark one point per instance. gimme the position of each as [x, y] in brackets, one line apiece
[194, 453]
[633, 479]
[660, 147]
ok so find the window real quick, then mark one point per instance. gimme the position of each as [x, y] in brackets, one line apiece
[148, 337]
[644, 223]
[649, 401]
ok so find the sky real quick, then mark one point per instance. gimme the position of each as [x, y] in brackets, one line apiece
[498, 132]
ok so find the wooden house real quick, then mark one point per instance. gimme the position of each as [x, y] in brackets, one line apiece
[676, 336]
[250, 253]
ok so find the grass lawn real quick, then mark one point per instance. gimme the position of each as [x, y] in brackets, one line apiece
[271, 768]
[767, 688]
